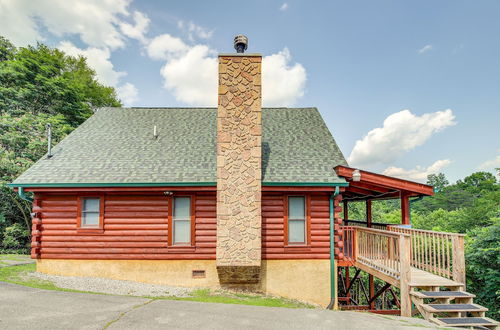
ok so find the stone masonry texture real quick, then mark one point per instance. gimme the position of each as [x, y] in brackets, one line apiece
[239, 169]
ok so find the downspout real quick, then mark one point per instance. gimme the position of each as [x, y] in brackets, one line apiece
[333, 291]
[20, 192]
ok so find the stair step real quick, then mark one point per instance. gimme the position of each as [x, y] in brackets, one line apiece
[443, 308]
[466, 321]
[441, 294]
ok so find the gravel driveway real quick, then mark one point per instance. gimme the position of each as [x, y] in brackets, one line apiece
[28, 308]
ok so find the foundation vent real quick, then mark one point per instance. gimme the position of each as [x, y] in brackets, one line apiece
[199, 274]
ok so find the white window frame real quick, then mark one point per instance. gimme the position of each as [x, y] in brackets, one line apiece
[175, 220]
[304, 220]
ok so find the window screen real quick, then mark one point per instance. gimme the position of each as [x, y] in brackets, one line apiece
[182, 220]
[296, 219]
[90, 212]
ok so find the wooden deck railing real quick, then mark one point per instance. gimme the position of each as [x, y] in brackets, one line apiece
[359, 223]
[347, 249]
[390, 255]
[381, 250]
[385, 253]
[439, 253]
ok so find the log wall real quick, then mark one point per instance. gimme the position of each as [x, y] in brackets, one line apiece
[136, 227]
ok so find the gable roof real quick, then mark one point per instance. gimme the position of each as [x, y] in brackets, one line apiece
[116, 147]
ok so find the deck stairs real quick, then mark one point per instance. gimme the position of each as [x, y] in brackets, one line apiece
[450, 307]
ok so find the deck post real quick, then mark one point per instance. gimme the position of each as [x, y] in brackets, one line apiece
[405, 274]
[405, 208]
[348, 284]
[368, 213]
[371, 283]
[346, 213]
[458, 265]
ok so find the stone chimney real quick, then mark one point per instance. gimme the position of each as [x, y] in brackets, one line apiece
[239, 153]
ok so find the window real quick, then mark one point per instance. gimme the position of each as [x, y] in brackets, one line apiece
[181, 220]
[296, 220]
[90, 213]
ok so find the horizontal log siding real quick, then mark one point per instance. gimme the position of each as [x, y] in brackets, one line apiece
[273, 242]
[136, 227]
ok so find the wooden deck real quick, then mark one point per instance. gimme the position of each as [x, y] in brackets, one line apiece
[423, 264]
[420, 278]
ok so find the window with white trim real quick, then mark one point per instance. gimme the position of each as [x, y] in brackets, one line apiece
[296, 220]
[181, 220]
[90, 212]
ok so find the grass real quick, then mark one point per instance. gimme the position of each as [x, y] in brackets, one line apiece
[19, 275]
[227, 297]
[14, 257]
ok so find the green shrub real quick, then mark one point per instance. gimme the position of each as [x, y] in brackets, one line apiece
[15, 237]
[483, 266]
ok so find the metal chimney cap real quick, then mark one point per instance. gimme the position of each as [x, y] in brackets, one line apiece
[240, 43]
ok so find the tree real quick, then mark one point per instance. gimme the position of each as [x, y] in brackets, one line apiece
[450, 198]
[7, 49]
[39, 85]
[22, 142]
[479, 182]
[483, 266]
[438, 181]
[44, 80]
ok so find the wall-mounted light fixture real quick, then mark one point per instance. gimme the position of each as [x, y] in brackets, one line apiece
[168, 193]
[356, 175]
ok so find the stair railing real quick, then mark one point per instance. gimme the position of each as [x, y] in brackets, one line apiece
[388, 253]
[379, 250]
[435, 252]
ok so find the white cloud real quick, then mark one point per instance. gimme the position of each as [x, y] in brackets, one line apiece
[425, 49]
[190, 73]
[138, 30]
[418, 173]
[195, 31]
[402, 131]
[17, 25]
[284, 6]
[96, 22]
[490, 165]
[127, 93]
[164, 47]
[192, 77]
[282, 83]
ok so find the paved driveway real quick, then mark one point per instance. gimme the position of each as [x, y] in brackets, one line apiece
[28, 308]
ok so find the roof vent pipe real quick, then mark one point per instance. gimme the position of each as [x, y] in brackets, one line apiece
[155, 133]
[49, 140]
[240, 43]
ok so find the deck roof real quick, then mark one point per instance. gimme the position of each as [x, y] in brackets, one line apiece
[379, 186]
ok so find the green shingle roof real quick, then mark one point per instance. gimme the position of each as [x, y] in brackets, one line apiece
[116, 146]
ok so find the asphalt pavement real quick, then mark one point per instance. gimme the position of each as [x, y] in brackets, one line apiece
[28, 308]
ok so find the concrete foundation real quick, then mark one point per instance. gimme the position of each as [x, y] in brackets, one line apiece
[305, 280]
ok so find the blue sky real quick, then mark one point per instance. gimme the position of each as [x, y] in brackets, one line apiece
[407, 88]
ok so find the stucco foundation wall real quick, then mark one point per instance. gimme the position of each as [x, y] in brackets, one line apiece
[306, 280]
[165, 272]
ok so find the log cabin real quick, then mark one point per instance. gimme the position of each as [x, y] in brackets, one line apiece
[236, 196]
